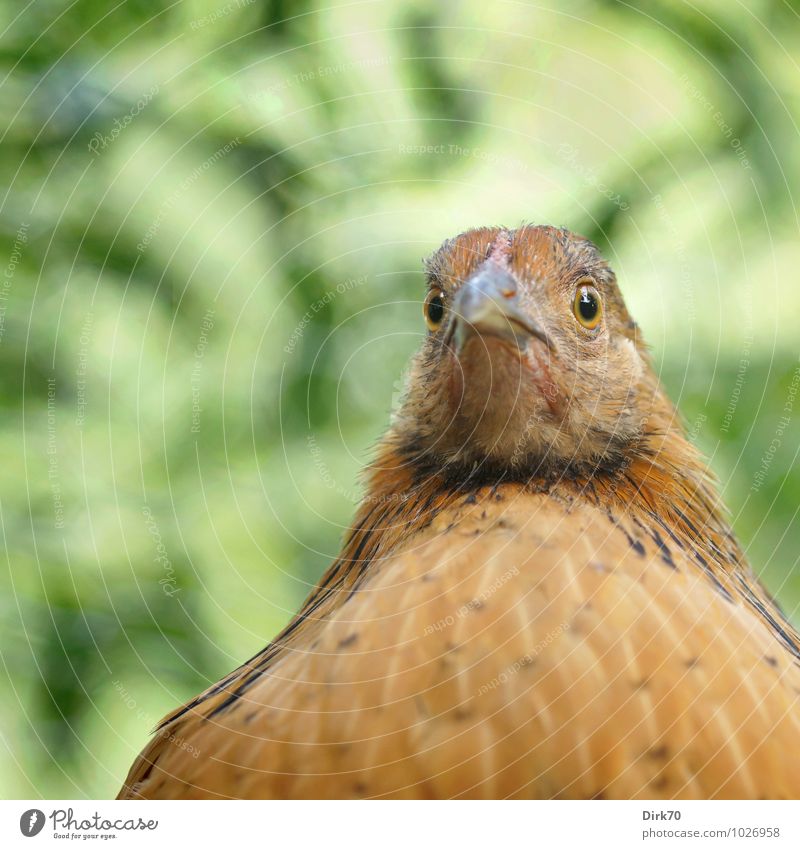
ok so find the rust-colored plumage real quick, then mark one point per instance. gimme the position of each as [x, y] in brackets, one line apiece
[539, 596]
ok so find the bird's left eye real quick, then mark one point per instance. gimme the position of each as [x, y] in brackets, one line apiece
[433, 308]
[587, 306]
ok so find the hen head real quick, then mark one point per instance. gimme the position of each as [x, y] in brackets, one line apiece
[531, 365]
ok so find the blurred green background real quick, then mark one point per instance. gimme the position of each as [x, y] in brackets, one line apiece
[213, 218]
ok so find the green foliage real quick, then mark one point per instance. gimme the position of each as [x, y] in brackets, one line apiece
[211, 241]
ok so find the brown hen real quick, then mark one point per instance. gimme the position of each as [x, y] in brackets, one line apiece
[539, 596]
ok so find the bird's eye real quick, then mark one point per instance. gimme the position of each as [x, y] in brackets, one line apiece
[587, 306]
[433, 308]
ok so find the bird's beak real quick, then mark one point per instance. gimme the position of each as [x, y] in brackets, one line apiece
[488, 305]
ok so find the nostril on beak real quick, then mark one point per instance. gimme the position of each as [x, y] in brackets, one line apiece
[487, 304]
[485, 290]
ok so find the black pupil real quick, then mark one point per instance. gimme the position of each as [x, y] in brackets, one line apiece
[435, 309]
[587, 305]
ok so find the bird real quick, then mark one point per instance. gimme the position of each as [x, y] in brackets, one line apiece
[540, 595]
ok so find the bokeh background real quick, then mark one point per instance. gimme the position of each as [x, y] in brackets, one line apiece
[213, 217]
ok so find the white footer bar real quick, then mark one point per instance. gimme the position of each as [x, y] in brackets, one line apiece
[404, 825]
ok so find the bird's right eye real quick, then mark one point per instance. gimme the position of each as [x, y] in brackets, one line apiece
[433, 308]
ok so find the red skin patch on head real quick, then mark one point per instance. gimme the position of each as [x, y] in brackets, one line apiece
[547, 386]
[500, 250]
